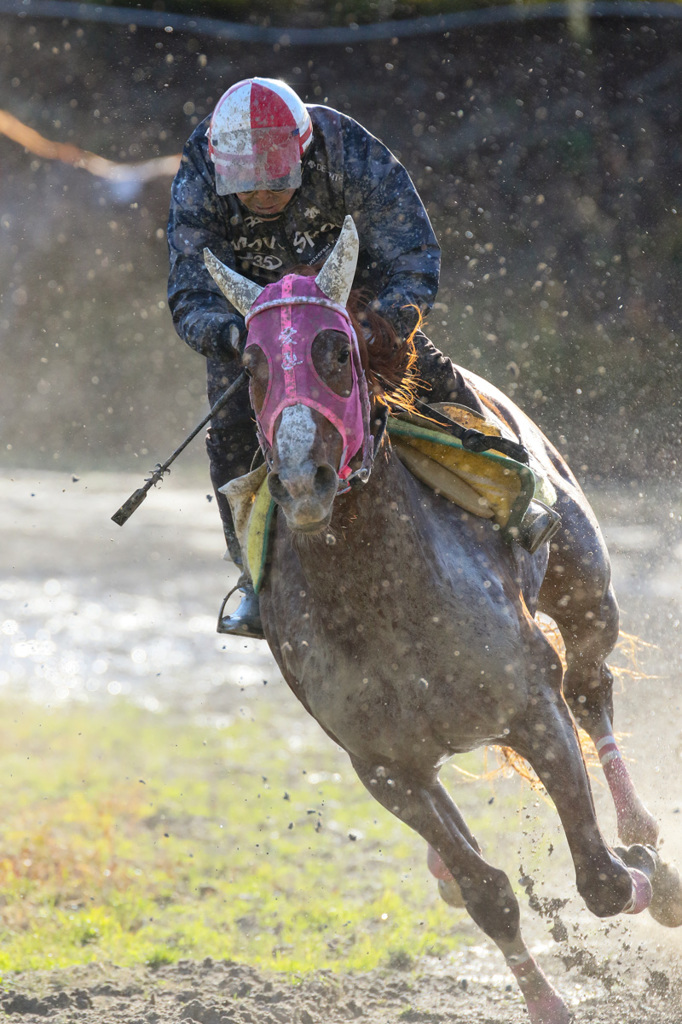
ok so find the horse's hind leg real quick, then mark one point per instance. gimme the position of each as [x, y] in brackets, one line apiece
[486, 891]
[578, 595]
[546, 737]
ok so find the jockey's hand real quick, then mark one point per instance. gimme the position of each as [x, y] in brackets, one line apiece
[238, 339]
[232, 335]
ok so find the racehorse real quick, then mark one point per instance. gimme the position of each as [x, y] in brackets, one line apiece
[407, 627]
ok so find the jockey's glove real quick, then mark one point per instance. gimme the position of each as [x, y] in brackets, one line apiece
[231, 332]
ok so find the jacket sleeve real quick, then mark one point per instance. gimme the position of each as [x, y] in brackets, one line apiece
[393, 226]
[202, 316]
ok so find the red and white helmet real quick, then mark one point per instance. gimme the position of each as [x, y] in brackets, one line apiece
[258, 133]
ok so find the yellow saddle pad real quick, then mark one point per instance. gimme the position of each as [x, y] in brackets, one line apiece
[252, 511]
[486, 484]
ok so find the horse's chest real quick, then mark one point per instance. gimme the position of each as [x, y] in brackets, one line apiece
[393, 655]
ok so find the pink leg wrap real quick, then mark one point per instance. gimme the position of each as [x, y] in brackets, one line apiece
[435, 864]
[642, 893]
[544, 1004]
[635, 823]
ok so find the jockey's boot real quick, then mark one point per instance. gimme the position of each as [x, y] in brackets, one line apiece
[246, 619]
[538, 525]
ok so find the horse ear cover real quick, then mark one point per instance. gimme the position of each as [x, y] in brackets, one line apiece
[335, 279]
[237, 289]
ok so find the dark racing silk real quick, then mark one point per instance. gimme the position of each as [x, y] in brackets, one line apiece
[345, 171]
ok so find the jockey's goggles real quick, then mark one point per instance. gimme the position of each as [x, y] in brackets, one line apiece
[261, 159]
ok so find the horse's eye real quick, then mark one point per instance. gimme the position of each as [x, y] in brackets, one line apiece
[344, 356]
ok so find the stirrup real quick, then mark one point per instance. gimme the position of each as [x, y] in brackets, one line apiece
[246, 619]
[537, 527]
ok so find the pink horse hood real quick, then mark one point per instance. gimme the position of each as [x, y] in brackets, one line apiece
[284, 322]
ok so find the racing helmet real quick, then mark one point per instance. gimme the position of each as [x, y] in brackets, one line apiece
[257, 135]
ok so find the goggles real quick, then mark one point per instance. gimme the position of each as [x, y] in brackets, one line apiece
[267, 159]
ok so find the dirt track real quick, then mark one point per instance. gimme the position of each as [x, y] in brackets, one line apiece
[101, 611]
[470, 989]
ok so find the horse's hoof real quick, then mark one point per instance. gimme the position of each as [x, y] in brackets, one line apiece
[643, 858]
[451, 892]
[550, 1009]
[666, 904]
[543, 1002]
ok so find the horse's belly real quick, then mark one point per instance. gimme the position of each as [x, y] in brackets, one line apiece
[390, 709]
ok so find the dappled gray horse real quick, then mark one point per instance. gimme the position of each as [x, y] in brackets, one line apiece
[407, 627]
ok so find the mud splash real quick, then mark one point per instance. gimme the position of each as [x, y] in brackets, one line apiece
[90, 611]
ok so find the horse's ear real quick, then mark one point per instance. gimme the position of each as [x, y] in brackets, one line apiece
[238, 290]
[336, 277]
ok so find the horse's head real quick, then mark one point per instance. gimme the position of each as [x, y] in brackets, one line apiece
[308, 388]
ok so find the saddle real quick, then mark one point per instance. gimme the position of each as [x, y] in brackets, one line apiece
[486, 484]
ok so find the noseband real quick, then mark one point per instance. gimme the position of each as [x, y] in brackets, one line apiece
[284, 321]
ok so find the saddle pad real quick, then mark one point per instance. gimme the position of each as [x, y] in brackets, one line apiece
[486, 484]
[545, 490]
[252, 510]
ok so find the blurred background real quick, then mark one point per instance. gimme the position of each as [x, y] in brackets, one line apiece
[548, 153]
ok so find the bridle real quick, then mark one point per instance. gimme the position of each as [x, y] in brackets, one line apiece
[293, 379]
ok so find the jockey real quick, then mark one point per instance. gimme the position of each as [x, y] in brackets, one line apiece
[265, 183]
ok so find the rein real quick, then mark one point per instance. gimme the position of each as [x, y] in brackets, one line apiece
[472, 440]
[475, 440]
[361, 475]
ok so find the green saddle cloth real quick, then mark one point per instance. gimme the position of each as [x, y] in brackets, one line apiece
[252, 512]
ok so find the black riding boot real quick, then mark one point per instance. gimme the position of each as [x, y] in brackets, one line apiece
[230, 455]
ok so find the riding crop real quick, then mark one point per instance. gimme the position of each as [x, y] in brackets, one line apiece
[138, 496]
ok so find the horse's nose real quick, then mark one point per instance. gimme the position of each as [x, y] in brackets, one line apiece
[309, 484]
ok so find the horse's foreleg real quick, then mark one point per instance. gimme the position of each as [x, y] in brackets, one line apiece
[486, 891]
[588, 686]
[548, 740]
[578, 595]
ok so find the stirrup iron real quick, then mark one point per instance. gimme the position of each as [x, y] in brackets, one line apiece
[245, 621]
[538, 526]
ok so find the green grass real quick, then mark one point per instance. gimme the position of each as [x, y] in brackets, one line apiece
[134, 837]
